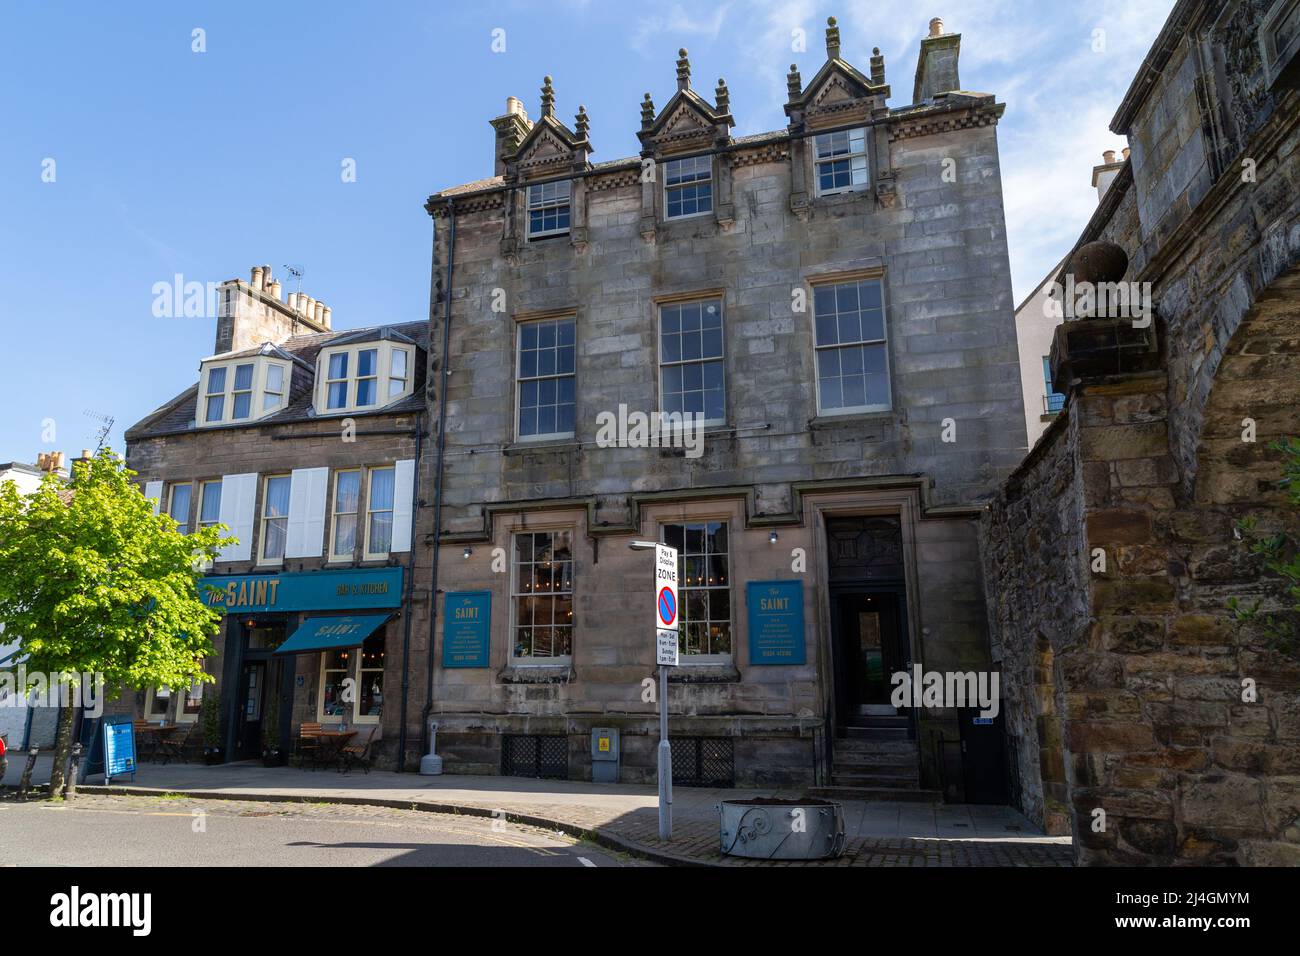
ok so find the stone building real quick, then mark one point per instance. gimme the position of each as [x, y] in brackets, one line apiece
[1147, 718]
[833, 300]
[303, 442]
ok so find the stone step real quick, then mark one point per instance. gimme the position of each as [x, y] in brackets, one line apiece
[876, 793]
[876, 733]
[902, 781]
[854, 762]
[877, 720]
[875, 745]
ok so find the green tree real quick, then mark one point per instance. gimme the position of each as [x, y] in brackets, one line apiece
[93, 582]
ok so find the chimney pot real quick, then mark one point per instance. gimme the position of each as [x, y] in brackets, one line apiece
[513, 106]
[936, 27]
[325, 317]
[1108, 157]
[255, 280]
[86, 454]
[1125, 152]
[318, 311]
[275, 288]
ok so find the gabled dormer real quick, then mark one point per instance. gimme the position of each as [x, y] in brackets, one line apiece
[363, 372]
[544, 162]
[839, 142]
[237, 388]
[686, 174]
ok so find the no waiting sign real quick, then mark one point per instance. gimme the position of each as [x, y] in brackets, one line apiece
[666, 609]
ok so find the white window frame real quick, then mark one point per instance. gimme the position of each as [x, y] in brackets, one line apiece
[393, 377]
[722, 357]
[667, 189]
[199, 521]
[184, 521]
[516, 593]
[256, 391]
[520, 379]
[536, 198]
[264, 518]
[355, 671]
[683, 586]
[335, 514]
[853, 154]
[382, 378]
[367, 553]
[818, 349]
[178, 715]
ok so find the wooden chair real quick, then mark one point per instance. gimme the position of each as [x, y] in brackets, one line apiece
[172, 742]
[146, 740]
[354, 754]
[308, 746]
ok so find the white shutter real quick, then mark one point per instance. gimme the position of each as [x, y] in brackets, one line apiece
[238, 498]
[307, 512]
[153, 491]
[403, 503]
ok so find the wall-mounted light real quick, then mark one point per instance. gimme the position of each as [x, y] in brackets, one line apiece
[468, 552]
[771, 537]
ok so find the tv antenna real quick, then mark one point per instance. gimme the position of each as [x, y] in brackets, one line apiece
[295, 271]
[105, 427]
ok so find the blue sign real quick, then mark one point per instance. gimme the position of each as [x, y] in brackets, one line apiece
[466, 628]
[304, 590]
[667, 608]
[119, 750]
[775, 622]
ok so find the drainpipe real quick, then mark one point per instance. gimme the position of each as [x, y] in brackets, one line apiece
[410, 588]
[437, 475]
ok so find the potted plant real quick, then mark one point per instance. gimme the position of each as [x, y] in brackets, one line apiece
[210, 718]
[272, 755]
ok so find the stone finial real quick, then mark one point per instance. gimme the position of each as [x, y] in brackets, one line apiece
[647, 112]
[793, 82]
[722, 96]
[683, 70]
[877, 67]
[832, 39]
[582, 122]
[548, 97]
[936, 27]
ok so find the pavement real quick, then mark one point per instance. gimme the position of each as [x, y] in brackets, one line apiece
[621, 817]
[153, 831]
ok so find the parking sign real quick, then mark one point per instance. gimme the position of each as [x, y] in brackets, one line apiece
[666, 608]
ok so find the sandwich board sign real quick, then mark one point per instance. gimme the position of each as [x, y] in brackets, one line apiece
[666, 609]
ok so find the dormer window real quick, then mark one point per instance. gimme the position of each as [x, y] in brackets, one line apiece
[841, 159]
[363, 376]
[242, 390]
[688, 187]
[548, 209]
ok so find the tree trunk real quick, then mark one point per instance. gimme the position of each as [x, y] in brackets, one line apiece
[62, 749]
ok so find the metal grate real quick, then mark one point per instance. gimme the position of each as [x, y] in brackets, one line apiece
[703, 761]
[533, 755]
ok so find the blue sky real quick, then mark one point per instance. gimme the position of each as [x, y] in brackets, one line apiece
[170, 161]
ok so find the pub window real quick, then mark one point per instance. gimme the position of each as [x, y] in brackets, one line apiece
[545, 383]
[548, 209]
[364, 666]
[347, 502]
[158, 705]
[704, 589]
[851, 351]
[688, 187]
[542, 596]
[275, 518]
[691, 373]
[841, 159]
[379, 513]
[179, 507]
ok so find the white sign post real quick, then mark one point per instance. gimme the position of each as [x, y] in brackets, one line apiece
[666, 611]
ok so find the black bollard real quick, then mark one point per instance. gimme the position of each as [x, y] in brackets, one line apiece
[25, 783]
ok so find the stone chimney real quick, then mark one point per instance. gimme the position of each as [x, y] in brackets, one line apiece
[936, 69]
[252, 313]
[1104, 175]
[511, 128]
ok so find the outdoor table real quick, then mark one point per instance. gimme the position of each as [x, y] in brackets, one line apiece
[332, 743]
[148, 737]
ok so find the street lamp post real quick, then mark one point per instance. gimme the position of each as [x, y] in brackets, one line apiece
[665, 579]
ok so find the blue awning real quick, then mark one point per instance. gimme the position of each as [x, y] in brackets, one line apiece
[331, 633]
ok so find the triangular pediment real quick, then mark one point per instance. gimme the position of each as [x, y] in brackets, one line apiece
[687, 116]
[836, 83]
[549, 139]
